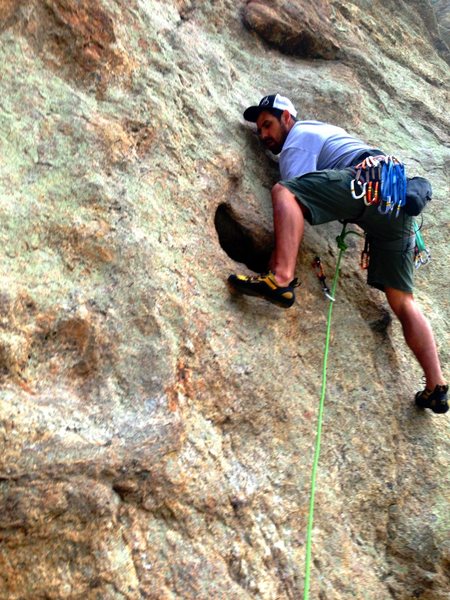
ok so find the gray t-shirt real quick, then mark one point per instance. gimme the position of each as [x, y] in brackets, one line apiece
[315, 146]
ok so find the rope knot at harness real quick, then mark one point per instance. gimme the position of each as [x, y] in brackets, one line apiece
[341, 244]
[340, 240]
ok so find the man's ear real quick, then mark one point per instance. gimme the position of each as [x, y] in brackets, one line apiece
[286, 116]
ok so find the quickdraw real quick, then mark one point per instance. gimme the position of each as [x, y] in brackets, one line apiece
[365, 255]
[422, 255]
[382, 182]
[317, 266]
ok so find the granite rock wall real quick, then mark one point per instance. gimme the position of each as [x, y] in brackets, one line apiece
[157, 431]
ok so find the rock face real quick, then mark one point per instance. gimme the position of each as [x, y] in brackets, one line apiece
[156, 431]
[442, 11]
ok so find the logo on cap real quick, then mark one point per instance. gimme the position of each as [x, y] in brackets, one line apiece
[265, 101]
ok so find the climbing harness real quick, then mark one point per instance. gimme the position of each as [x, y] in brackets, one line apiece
[382, 182]
[317, 266]
[342, 248]
[422, 255]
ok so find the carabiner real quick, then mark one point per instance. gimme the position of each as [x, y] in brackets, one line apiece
[388, 206]
[363, 187]
[424, 260]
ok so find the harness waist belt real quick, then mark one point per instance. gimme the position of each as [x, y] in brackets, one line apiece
[408, 244]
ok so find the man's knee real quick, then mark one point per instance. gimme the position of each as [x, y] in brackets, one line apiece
[279, 191]
[401, 302]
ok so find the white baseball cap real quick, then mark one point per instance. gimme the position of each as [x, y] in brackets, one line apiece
[273, 101]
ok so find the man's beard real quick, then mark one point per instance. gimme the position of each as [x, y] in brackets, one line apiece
[274, 146]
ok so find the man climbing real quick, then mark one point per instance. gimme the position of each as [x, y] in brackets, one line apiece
[316, 162]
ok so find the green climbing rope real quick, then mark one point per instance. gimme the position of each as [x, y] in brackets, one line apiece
[342, 248]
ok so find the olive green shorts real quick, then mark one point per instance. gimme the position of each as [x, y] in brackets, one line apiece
[327, 197]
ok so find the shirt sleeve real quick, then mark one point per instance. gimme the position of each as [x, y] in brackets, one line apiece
[297, 161]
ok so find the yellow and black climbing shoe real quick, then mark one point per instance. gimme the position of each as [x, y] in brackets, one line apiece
[266, 287]
[435, 399]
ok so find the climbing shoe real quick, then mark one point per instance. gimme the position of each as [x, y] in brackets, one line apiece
[435, 399]
[266, 287]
